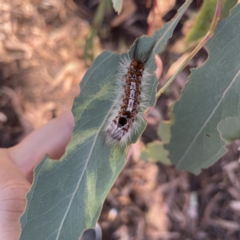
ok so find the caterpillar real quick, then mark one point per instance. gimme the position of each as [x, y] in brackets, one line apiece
[130, 103]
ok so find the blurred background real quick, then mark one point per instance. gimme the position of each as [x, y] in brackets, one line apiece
[46, 46]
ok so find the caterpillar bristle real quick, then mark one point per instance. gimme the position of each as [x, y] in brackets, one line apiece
[130, 103]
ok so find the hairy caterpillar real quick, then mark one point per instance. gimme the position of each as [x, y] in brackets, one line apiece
[130, 104]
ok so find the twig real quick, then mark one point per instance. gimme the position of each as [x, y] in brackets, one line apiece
[210, 33]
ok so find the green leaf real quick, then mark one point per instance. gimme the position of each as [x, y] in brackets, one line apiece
[117, 5]
[212, 94]
[67, 195]
[96, 25]
[230, 129]
[164, 131]
[155, 152]
[205, 17]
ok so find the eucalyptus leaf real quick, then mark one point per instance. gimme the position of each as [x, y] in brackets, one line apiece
[205, 16]
[117, 5]
[67, 195]
[155, 152]
[164, 131]
[211, 95]
[230, 129]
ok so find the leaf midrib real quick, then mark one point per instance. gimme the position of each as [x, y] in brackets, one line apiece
[83, 172]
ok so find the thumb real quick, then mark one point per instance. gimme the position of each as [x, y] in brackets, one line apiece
[50, 139]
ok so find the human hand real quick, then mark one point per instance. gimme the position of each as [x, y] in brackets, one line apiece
[16, 169]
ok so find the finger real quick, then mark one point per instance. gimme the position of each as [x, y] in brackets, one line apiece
[50, 139]
[13, 190]
[159, 66]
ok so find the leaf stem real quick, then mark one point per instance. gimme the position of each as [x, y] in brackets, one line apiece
[210, 33]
